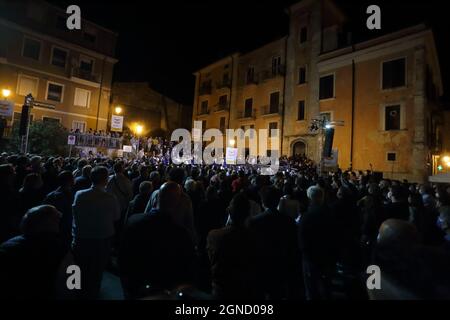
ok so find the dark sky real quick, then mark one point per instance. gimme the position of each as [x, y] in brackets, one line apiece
[165, 42]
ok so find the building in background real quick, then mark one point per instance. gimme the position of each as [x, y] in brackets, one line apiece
[384, 90]
[139, 104]
[68, 72]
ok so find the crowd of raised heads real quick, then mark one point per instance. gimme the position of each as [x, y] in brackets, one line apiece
[216, 231]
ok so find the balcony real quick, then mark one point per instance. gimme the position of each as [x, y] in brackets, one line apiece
[272, 73]
[84, 75]
[223, 84]
[203, 112]
[221, 107]
[246, 115]
[90, 140]
[205, 90]
[251, 81]
[269, 111]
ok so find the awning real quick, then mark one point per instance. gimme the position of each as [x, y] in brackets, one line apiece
[440, 178]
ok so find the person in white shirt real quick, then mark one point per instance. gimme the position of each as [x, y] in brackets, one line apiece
[94, 213]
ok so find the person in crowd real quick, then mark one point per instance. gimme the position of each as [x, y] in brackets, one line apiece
[95, 212]
[185, 217]
[275, 250]
[32, 193]
[29, 263]
[62, 200]
[143, 176]
[443, 223]
[121, 188]
[156, 253]
[417, 212]
[83, 182]
[398, 206]
[229, 253]
[9, 203]
[139, 203]
[317, 242]
[397, 232]
[288, 205]
[80, 165]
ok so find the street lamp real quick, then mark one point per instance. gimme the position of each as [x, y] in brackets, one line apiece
[232, 142]
[139, 129]
[6, 93]
[118, 110]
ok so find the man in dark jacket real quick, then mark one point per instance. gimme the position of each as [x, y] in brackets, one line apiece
[317, 244]
[139, 203]
[29, 263]
[143, 176]
[83, 182]
[276, 253]
[156, 253]
[62, 199]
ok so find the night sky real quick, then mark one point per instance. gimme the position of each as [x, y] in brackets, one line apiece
[164, 42]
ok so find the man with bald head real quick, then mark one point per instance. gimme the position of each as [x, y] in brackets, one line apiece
[396, 232]
[156, 253]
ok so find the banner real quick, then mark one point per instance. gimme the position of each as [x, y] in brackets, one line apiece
[71, 140]
[127, 149]
[231, 155]
[6, 108]
[116, 123]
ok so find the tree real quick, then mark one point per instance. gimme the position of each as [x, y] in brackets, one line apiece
[45, 138]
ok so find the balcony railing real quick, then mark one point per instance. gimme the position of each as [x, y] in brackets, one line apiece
[221, 107]
[223, 84]
[246, 114]
[90, 140]
[205, 89]
[85, 75]
[203, 112]
[271, 110]
[271, 73]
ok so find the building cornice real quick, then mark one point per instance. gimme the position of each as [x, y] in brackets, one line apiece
[58, 41]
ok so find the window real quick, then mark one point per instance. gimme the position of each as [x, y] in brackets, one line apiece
[394, 74]
[274, 102]
[272, 126]
[86, 65]
[79, 125]
[248, 108]
[59, 57]
[301, 110]
[55, 92]
[223, 101]
[82, 98]
[204, 107]
[326, 87]
[50, 120]
[226, 78]
[27, 85]
[276, 65]
[250, 75]
[302, 75]
[326, 116]
[303, 35]
[392, 156]
[31, 49]
[222, 124]
[392, 118]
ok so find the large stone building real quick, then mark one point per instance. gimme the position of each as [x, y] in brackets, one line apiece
[384, 90]
[156, 113]
[69, 73]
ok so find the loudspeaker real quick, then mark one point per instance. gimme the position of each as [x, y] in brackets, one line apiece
[24, 118]
[328, 145]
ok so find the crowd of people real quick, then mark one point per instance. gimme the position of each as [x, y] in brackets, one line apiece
[214, 231]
